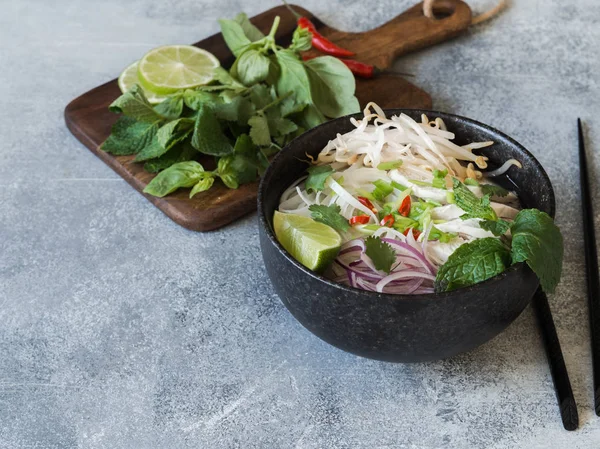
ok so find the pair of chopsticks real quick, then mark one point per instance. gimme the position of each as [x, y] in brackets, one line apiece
[560, 377]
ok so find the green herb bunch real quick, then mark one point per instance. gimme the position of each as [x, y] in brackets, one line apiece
[246, 114]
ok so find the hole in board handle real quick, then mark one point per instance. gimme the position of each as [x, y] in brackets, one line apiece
[443, 9]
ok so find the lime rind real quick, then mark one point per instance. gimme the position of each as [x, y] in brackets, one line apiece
[129, 78]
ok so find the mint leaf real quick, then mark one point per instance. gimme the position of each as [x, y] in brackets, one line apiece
[329, 215]
[134, 104]
[250, 31]
[472, 263]
[193, 99]
[538, 241]
[492, 190]
[234, 36]
[497, 228]
[389, 165]
[251, 67]
[172, 107]
[128, 136]
[473, 206]
[208, 138]
[332, 86]
[382, 190]
[259, 130]
[317, 175]
[245, 163]
[179, 153]
[167, 136]
[182, 174]
[301, 40]
[381, 253]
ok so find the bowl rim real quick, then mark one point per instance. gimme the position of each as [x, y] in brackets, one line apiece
[425, 297]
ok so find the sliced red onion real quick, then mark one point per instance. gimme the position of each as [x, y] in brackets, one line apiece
[402, 274]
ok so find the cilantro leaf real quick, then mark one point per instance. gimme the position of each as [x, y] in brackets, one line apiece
[134, 104]
[492, 190]
[471, 263]
[239, 110]
[538, 241]
[329, 215]
[382, 190]
[389, 165]
[172, 107]
[182, 174]
[128, 136]
[234, 36]
[279, 126]
[250, 31]
[259, 130]
[317, 175]
[179, 153]
[497, 228]
[381, 253]
[473, 206]
[208, 138]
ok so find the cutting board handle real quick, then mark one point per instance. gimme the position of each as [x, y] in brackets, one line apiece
[407, 32]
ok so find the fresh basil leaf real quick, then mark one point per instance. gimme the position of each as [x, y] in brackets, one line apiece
[226, 172]
[234, 36]
[332, 86]
[195, 98]
[381, 253]
[208, 138]
[292, 81]
[472, 263]
[492, 190]
[179, 153]
[389, 165]
[329, 215]
[259, 130]
[301, 40]
[497, 228]
[202, 186]
[538, 241]
[251, 67]
[473, 206]
[312, 117]
[134, 104]
[251, 32]
[317, 175]
[182, 174]
[128, 136]
[172, 107]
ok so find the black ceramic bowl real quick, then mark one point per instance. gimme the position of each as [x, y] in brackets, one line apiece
[401, 328]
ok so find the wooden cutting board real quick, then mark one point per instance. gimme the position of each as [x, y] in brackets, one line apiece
[88, 118]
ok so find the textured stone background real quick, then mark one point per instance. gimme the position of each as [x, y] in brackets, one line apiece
[119, 329]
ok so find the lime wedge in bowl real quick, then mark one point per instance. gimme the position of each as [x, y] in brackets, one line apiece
[311, 243]
[167, 69]
[129, 78]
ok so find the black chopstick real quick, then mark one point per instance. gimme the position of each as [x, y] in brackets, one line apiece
[558, 369]
[591, 266]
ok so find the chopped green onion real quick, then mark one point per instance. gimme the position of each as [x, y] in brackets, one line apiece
[389, 165]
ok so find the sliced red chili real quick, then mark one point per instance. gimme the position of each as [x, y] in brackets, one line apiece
[405, 206]
[356, 67]
[388, 221]
[320, 42]
[416, 233]
[359, 219]
[367, 203]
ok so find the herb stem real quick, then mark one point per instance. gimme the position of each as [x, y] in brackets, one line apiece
[276, 102]
[274, 27]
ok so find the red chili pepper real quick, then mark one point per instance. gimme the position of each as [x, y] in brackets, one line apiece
[357, 68]
[320, 42]
[388, 221]
[404, 208]
[365, 202]
[416, 233]
[359, 219]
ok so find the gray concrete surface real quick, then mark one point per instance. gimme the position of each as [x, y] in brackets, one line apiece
[119, 329]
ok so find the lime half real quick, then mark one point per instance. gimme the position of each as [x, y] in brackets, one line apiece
[168, 69]
[311, 243]
[129, 78]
